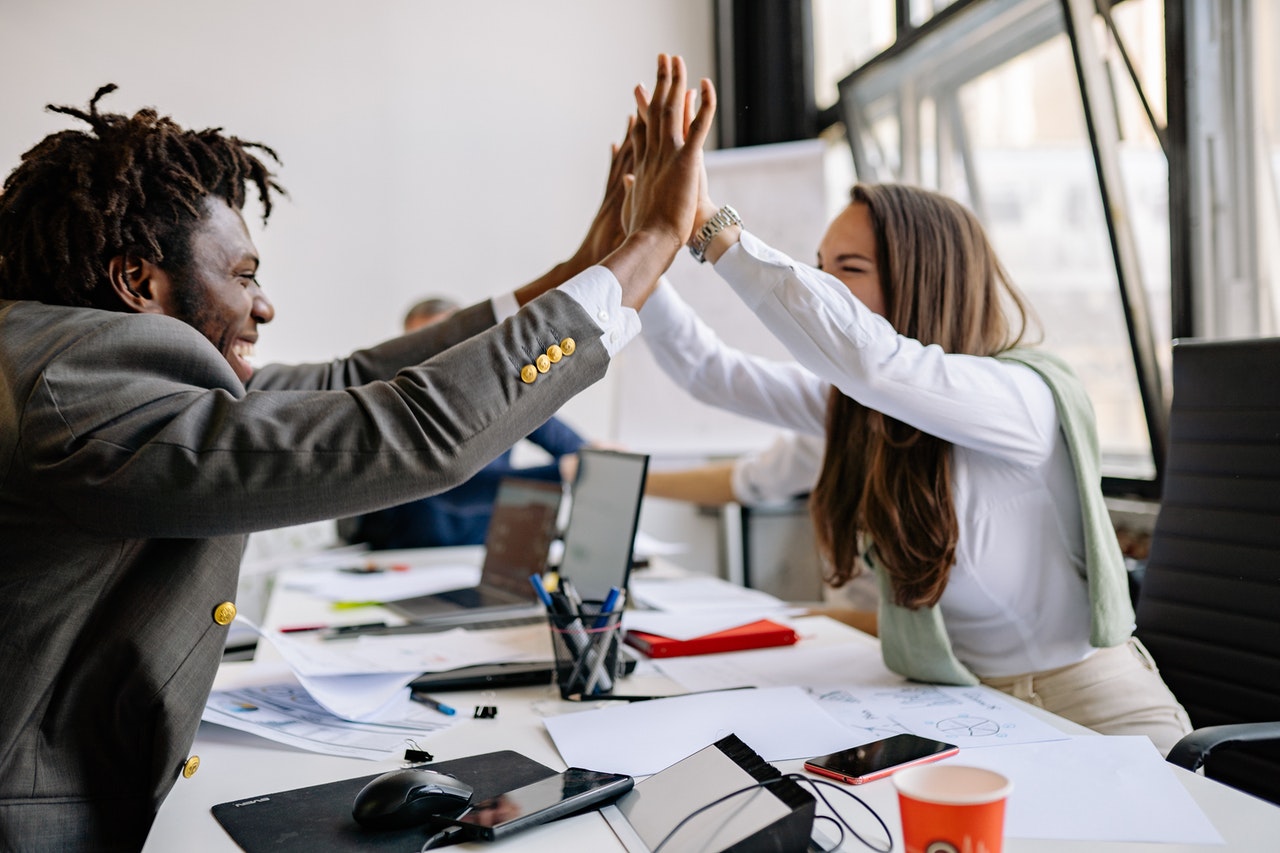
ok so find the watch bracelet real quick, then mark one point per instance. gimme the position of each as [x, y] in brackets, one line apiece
[723, 218]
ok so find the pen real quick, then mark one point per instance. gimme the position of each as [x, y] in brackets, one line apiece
[435, 704]
[571, 594]
[338, 631]
[352, 605]
[298, 629]
[366, 569]
[541, 590]
[610, 602]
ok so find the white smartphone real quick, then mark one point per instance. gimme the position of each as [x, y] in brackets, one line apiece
[557, 796]
[879, 758]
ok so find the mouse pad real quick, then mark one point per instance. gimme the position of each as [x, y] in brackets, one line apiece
[305, 820]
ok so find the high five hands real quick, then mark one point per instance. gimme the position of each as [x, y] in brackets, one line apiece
[662, 202]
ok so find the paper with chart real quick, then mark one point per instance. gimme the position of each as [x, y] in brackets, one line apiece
[356, 678]
[286, 713]
[966, 716]
[871, 701]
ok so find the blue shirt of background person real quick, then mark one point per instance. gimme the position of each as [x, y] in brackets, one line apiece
[459, 516]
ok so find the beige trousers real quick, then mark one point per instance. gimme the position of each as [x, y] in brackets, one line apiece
[1115, 691]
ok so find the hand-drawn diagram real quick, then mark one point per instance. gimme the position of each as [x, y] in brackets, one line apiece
[966, 726]
[965, 716]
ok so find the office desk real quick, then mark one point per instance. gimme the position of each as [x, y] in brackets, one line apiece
[237, 766]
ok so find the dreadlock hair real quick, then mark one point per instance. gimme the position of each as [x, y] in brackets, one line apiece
[132, 186]
[882, 479]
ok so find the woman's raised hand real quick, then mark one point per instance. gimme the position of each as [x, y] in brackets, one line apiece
[671, 127]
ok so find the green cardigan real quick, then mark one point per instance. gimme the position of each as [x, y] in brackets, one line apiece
[914, 643]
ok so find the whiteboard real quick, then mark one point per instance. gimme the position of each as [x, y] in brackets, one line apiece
[781, 192]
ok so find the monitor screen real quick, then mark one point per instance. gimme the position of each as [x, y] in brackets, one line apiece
[603, 514]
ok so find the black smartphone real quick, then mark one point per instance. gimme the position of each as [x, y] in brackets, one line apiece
[557, 796]
[879, 758]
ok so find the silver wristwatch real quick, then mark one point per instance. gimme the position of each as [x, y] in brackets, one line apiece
[724, 217]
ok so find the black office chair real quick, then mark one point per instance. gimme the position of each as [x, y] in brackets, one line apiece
[1209, 607]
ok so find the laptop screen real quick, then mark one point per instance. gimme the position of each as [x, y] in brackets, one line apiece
[603, 515]
[520, 533]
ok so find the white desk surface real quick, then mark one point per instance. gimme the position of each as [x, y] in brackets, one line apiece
[235, 765]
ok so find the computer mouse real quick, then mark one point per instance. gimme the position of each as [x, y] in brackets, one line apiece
[409, 797]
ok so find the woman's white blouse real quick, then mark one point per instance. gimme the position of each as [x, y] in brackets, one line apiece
[1017, 600]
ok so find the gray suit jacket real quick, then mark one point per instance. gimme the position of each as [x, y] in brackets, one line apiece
[132, 465]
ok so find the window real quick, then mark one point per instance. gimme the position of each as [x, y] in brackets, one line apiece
[1132, 210]
[985, 105]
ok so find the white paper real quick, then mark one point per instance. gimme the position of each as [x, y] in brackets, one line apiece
[286, 713]
[1095, 788]
[651, 546]
[357, 697]
[871, 702]
[702, 592]
[387, 584]
[355, 678]
[642, 738]
[312, 655]
[969, 717]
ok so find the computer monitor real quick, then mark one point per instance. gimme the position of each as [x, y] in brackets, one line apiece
[603, 517]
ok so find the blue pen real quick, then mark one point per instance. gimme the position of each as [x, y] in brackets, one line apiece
[435, 704]
[541, 590]
[610, 602]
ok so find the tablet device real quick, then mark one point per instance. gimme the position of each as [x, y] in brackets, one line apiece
[558, 796]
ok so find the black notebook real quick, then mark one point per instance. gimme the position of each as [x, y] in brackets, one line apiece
[305, 820]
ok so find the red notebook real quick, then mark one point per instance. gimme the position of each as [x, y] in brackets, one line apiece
[756, 635]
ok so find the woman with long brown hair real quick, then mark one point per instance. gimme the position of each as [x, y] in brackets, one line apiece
[961, 464]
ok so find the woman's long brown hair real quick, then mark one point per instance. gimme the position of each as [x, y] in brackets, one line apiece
[883, 479]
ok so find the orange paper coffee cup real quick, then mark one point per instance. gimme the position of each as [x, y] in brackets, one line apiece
[951, 808]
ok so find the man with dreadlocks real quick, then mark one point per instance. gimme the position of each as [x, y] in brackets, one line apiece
[138, 447]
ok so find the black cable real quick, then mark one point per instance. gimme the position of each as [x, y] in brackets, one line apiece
[839, 838]
[814, 783]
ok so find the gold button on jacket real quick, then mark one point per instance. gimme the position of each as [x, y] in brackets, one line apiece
[554, 353]
[568, 345]
[528, 373]
[224, 613]
[543, 364]
[189, 769]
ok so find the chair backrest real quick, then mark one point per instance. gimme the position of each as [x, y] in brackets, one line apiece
[1209, 608]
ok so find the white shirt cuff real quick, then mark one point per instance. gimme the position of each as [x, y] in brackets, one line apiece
[504, 305]
[598, 292]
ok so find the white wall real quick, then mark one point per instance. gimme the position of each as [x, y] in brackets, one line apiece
[428, 145]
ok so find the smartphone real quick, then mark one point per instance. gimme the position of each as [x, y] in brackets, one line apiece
[557, 796]
[879, 758]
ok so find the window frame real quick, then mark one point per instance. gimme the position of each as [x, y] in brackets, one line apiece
[1098, 98]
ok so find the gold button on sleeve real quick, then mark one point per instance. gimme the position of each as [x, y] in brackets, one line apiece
[224, 613]
[554, 353]
[528, 373]
[543, 363]
[568, 345]
[192, 765]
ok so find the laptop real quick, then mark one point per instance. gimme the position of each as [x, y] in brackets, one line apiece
[603, 516]
[520, 533]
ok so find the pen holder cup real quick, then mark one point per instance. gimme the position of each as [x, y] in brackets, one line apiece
[586, 650]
